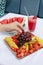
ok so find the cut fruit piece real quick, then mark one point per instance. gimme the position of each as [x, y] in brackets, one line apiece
[21, 20]
[27, 47]
[23, 47]
[18, 51]
[31, 51]
[14, 19]
[39, 40]
[5, 21]
[14, 49]
[40, 46]
[18, 55]
[36, 46]
[23, 51]
[16, 41]
[10, 20]
[26, 53]
[10, 42]
[13, 37]
[22, 54]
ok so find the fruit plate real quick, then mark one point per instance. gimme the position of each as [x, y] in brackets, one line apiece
[24, 44]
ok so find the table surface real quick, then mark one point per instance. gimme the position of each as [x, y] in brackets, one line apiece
[7, 57]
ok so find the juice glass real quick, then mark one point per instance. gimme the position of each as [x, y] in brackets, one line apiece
[32, 23]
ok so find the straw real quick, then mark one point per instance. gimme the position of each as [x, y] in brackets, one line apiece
[26, 11]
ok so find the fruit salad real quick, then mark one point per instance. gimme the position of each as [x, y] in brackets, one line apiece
[24, 44]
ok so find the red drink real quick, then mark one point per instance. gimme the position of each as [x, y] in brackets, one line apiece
[32, 23]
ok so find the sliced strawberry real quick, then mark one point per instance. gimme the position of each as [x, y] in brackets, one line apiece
[31, 51]
[14, 49]
[22, 54]
[18, 55]
[26, 53]
[23, 50]
[23, 47]
[35, 46]
[40, 46]
[18, 51]
[16, 41]
[13, 37]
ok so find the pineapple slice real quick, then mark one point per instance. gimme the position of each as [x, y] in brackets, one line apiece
[26, 46]
[10, 42]
[39, 40]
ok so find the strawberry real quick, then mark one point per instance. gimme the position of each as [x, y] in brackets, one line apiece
[31, 51]
[26, 53]
[13, 37]
[18, 51]
[35, 47]
[23, 47]
[18, 55]
[22, 54]
[23, 50]
[16, 41]
[40, 46]
[14, 49]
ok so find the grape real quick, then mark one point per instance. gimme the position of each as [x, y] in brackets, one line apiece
[20, 44]
[24, 37]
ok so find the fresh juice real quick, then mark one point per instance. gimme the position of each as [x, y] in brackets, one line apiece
[32, 23]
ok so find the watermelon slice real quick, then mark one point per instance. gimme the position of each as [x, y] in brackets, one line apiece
[21, 20]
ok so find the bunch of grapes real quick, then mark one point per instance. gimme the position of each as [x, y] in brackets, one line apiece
[24, 37]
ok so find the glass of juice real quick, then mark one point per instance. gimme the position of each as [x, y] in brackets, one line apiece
[32, 23]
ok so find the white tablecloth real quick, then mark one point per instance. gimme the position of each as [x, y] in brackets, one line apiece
[6, 55]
